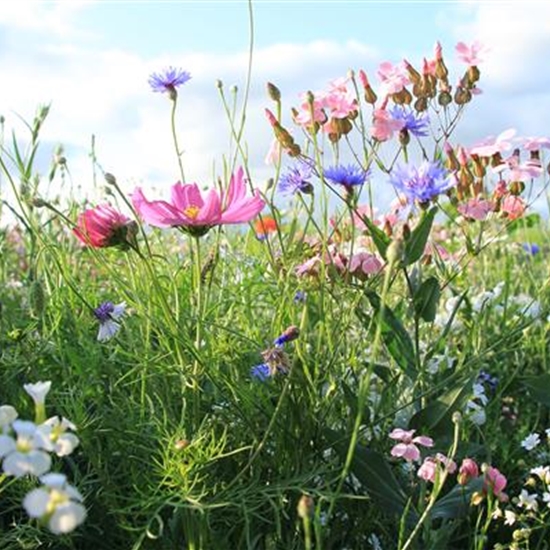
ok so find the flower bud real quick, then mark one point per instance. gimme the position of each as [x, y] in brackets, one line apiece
[468, 470]
[421, 104]
[306, 507]
[396, 251]
[516, 188]
[273, 92]
[444, 98]
[462, 96]
[472, 75]
[110, 179]
[414, 75]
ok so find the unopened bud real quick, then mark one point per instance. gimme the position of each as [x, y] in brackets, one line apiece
[38, 202]
[273, 92]
[444, 98]
[181, 444]
[473, 75]
[219, 84]
[462, 96]
[516, 188]
[421, 104]
[291, 333]
[306, 506]
[110, 179]
[395, 251]
[414, 75]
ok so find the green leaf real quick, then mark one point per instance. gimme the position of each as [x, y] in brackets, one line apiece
[437, 416]
[539, 388]
[379, 238]
[456, 503]
[426, 299]
[416, 243]
[395, 337]
[374, 473]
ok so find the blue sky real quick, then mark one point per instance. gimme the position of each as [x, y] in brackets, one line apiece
[91, 60]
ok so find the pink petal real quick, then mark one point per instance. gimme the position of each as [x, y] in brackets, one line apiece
[157, 213]
[403, 435]
[185, 195]
[408, 452]
[423, 440]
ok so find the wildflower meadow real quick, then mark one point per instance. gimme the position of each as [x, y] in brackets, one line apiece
[285, 364]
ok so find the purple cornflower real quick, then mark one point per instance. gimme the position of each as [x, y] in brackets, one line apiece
[168, 80]
[415, 123]
[108, 314]
[421, 183]
[348, 176]
[297, 179]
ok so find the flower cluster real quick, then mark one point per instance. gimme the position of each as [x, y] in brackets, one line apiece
[25, 449]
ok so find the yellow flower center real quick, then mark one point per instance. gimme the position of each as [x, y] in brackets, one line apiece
[191, 212]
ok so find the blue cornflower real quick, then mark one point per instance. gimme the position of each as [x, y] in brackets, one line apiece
[108, 314]
[261, 372]
[291, 333]
[297, 179]
[531, 248]
[299, 297]
[421, 183]
[486, 378]
[415, 123]
[168, 80]
[349, 176]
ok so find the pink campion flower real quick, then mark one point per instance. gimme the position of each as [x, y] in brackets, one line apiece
[407, 449]
[495, 482]
[384, 125]
[448, 463]
[472, 55]
[190, 211]
[501, 189]
[530, 169]
[514, 207]
[476, 209]
[394, 78]
[364, 263]
[104, 226]
[304, 116]
[492, 145]
[428, 67]
[273, 155]
[468, 470]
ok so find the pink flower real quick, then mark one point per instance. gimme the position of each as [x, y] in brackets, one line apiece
[364, 263]
[476, 209]
[519, 172]
[196, 214]
[273, 156]
[514, 207]
[407, 449]
[384, 125]
[495, 482]
[468, 470]
[492, 145]
[104, 226]
[535, 143]
[472, 55]
[428, 470]
[447, 463]
[304, 116]
[394, 78]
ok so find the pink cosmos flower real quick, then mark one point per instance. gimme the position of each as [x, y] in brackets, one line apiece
[195, 213]
[103, 226]
[492, 145]
[514, 207]
[535, 143]
[495, 482]
[384, 125]
[394, 78]
[407, 449]
[476, 209]
[468, 470]
[472, 55]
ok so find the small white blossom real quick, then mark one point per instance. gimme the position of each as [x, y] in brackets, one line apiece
[528, 501]
[38, 391]
[479, 393]
[476, 413]
[108, 314]
[530, 442]
[57, 503]
[546, 498]
[542, 472]
[55, 436]
[23, 455]
[509, 517]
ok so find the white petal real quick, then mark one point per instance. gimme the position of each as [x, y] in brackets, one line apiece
[118, 310]
[66, 444]
[36, 502]
[24, 428]
[54, 480]
[107, 330]
[38, 391]
[7, 415]
[7, 445]
[67, 517]
[19, 464]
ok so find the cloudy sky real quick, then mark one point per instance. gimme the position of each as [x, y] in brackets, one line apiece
[91, 60]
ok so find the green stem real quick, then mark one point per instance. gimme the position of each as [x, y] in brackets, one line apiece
[175, 137]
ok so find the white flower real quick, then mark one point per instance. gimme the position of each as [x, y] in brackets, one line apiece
[38, 391]
[482, 299]
[547, 432]
[23, 455]
[542, 472]
[55, 437]
[528, 501]
[530, 442]
[57, 503]
[546, 498]
[7, 415]
[479, 393]
[476, 413]
[510, 517]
